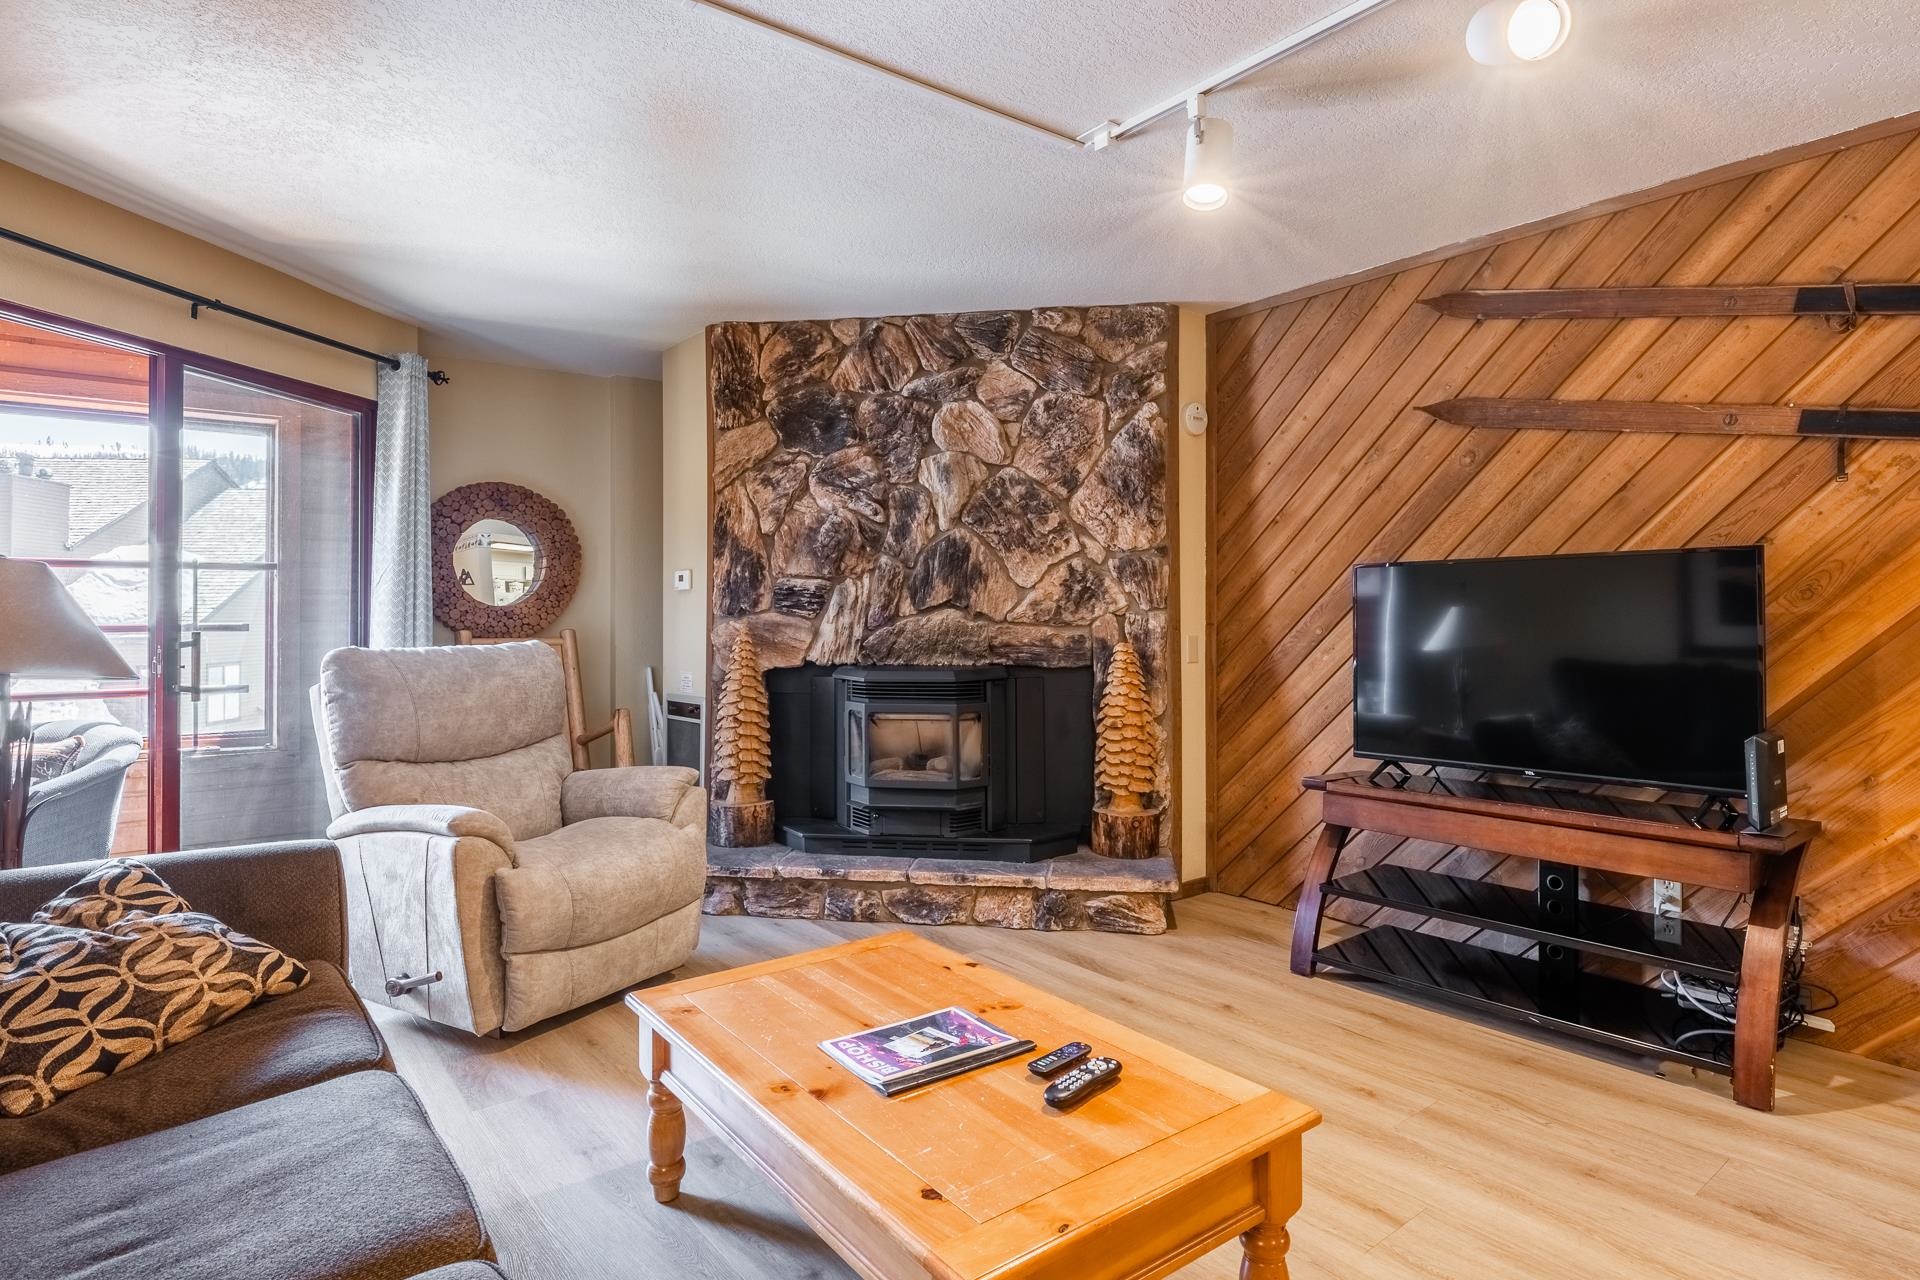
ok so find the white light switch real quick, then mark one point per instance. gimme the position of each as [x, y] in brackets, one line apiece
[683, 580]
[1193, 648]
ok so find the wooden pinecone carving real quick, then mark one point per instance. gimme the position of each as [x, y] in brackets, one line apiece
[742, 744]
[1128, 747]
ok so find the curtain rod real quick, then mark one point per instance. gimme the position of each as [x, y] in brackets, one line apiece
[197, 302]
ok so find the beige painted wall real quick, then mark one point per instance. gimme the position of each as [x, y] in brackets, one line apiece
[1190, 550]
[683, 512]
[48, 211]
[592, 445]
[633, 483]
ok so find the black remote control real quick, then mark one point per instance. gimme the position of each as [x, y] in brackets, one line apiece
[1082, 1083]
[1060, 1059]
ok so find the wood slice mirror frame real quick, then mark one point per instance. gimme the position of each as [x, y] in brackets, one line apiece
[556, 558]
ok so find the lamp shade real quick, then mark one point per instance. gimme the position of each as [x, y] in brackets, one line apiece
[44, 633]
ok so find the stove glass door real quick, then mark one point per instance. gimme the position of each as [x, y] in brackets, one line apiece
[910, 747]
[973, 746]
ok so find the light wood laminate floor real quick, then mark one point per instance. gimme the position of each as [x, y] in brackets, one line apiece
[1449, 1149]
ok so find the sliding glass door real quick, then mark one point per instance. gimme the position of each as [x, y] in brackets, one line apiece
[77, 456]
[268, 495]
[212, 519]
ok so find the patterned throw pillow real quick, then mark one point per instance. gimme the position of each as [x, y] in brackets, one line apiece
[51, 759]
[113, 971]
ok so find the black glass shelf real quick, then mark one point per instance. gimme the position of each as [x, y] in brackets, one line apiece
[1592, 1006]
[1705, 950]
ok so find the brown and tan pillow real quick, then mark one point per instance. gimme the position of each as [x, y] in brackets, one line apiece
[51, 759]
[116, 969]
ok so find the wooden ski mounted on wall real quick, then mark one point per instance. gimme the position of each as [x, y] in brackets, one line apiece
[1823, 422]
[1839, 303]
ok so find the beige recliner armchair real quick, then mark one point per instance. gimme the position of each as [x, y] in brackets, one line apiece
[475, 850]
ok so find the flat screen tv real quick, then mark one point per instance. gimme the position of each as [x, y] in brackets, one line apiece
[1643, 667]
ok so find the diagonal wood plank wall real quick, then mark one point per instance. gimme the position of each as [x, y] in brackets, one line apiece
[1320, 460]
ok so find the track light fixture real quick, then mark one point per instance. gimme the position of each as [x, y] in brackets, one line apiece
[1510, 31]
[1209, 140]
[1209, 157]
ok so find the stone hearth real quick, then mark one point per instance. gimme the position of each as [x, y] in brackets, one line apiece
[1077, 891]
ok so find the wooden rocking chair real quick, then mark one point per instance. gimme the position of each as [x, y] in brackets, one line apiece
[567, 643]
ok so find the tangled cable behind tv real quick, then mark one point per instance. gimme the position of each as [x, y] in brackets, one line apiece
[1718, 1001]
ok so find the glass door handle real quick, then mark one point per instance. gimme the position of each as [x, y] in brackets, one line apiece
[193, 642]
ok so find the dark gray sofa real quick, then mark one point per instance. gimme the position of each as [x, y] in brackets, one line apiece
[278, 1146]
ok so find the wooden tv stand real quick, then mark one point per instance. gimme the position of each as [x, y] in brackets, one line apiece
[1565, 831]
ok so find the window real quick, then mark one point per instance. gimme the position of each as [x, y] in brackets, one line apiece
[230, 573]
[224, 687]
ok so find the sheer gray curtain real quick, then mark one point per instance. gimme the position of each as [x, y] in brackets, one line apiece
[402, 588]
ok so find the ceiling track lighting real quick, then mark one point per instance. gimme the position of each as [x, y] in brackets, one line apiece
[1346, 15]
[1209, 139]
[1511, 32]
[1209, 168]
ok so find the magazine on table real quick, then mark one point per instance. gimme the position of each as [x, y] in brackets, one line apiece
[915, 1051]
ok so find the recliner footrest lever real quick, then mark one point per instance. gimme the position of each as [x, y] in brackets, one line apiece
[401, 985]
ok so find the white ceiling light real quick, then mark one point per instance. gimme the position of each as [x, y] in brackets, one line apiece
[1209, 157]
[1510, 31]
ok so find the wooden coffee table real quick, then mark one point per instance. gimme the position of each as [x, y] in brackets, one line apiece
[974, 1176]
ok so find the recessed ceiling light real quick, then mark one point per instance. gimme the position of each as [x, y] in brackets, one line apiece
[1209, 157]
[1509, 31]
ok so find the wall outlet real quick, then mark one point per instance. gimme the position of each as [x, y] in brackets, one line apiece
[686, 682]
[683, 579]
[1669, 900]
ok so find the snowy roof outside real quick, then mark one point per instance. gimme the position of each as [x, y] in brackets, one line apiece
[104, 489]
[106, 510]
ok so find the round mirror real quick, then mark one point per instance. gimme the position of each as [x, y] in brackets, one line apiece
[496, 562]
[505, 561]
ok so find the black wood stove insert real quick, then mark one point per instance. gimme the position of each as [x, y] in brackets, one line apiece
[961, 762]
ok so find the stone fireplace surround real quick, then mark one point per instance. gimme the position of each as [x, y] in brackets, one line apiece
[945, 490]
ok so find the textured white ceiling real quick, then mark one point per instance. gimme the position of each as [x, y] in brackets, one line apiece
[585, 182]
